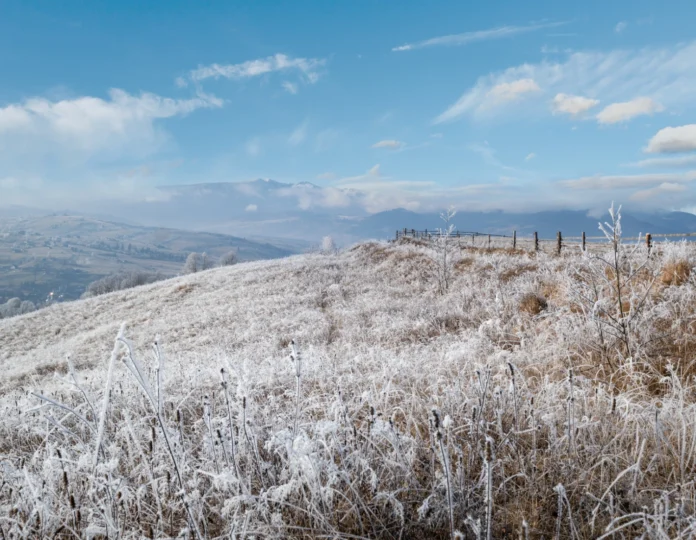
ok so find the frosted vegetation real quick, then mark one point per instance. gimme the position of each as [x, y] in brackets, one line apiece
[14, 307]
[388, 391]
[120, 282]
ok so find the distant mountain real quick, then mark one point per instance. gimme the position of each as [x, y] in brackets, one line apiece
[306, 212]
[263, 207]
[64, 253]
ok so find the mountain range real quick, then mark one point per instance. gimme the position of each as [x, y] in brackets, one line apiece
[265, 208]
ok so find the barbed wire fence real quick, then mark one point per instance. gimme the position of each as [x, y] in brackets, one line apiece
[533, 242]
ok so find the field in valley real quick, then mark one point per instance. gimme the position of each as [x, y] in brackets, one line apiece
[394, 390]
[64, 253]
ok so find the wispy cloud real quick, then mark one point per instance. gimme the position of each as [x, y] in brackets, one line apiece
[666, 188]
[89, 125]
[489, 155]
[510, 91]
[620, 27]
[479, 35]
[299, 135]
[628, 181]
[572, 105]
[308, 68]
[390, 144]
[673, 162]
[622, 112]
[665, 75]
[530, 156]
[673, 139]
[290, 87]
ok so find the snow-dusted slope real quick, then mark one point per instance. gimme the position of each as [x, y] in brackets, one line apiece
[510, 394]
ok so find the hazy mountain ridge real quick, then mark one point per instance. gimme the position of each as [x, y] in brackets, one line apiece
[306, 211]
[64, 253]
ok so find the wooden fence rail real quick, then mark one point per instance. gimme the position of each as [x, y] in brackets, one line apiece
[559, 242]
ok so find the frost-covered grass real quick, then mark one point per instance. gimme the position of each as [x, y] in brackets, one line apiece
[526, 398]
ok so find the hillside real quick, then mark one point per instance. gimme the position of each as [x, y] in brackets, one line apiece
[64, 253]
[512, 395]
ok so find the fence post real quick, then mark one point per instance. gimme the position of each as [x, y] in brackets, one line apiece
[584, 245]
[536, 241]
[489, 241]
[514, 239]
[559, 242]
[648, 242]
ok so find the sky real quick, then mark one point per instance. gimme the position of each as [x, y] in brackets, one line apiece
[516, 106]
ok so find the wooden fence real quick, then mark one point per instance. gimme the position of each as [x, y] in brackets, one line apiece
[533, 241]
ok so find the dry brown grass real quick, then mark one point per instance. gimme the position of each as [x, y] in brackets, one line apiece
[533, 304]
[512, 273]
[675, 273]
[463, 264]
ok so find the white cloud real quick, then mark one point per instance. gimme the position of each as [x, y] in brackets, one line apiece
[290, 87]
[573, 105]
[88, 125]
[374, 171]
[628, 181]
[530, 156]
[299, 135]
[253, 146]
[620, 27]
[673, 139]
[308, 67]
[251, 208]
[326, 176]
[670, 162]
[665, 188]
[667, 75]
[513, 90]
[622, 112]
[479, 35]
[389, 143]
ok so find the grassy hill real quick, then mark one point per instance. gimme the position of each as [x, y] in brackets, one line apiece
[63, 254]
[534, 389]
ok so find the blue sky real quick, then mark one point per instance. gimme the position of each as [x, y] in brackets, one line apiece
[502, 105]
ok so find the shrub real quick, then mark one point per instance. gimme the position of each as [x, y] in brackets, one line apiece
[328, 245]
[14, 307]
[228, 259]
[120, 282]
[193, 264]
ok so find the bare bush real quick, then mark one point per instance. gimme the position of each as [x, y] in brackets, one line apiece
[14, 307]
[228, 259]
[120, 282]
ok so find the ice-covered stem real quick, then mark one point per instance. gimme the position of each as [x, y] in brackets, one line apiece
[159, 368]
[136, 370]
[446, 466]
[207, 419]
[571, 410]
[107, 392]
[613, 233]
[488, 462]
[233, 452]
[297, 361]
[514, 394]
[559, 511]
